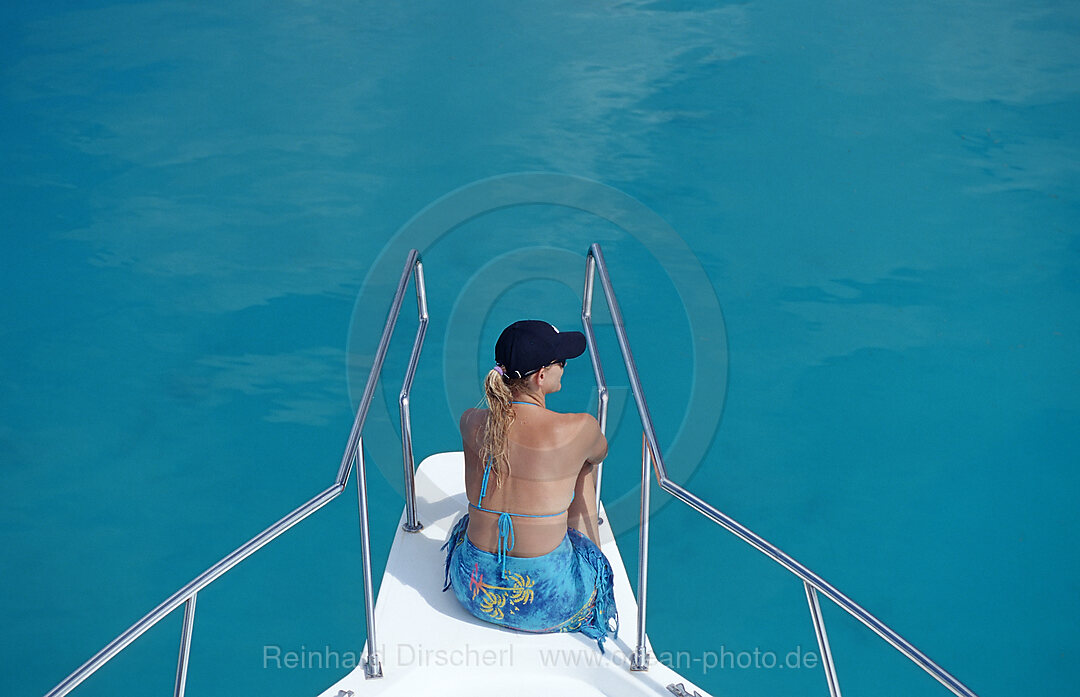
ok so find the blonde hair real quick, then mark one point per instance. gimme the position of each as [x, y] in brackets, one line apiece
[499, 392]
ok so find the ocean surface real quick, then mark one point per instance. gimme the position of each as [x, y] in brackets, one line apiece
[846, 241]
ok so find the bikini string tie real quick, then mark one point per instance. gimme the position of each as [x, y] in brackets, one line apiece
[506, 539]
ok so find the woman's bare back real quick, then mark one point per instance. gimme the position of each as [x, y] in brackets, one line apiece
[551, 456]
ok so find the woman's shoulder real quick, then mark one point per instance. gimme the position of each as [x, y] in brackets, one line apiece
[576, 426]
[582, 420]
[471, 416]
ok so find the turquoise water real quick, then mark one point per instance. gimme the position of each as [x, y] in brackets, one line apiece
[202, 207]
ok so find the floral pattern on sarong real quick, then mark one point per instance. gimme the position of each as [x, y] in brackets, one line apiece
[496, 598]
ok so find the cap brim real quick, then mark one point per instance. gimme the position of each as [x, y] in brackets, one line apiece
[569, 345]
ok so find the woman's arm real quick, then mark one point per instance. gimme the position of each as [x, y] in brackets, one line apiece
[467, 427]
[582, 514]
[597, 450]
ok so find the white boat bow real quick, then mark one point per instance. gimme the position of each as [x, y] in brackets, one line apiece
[427, 641]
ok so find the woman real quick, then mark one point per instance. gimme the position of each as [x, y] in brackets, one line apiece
[526, 555]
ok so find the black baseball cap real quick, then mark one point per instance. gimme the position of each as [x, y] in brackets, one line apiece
[530, 344]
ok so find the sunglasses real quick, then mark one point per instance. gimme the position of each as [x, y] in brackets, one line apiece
[561, 364]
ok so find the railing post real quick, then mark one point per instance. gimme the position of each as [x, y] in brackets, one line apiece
[411, 524]
[376, 366]
[598, 369]
[372, 665]
[822, 640]
[185, 646]
[640, 659]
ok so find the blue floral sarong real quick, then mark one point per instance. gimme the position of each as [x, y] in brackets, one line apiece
[570, 589]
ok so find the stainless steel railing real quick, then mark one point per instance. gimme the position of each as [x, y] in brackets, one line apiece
[354, 454]
[651, 452]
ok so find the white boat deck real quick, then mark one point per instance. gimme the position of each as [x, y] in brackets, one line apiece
[427, 642]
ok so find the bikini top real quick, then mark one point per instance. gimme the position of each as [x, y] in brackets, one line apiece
[506, 525]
